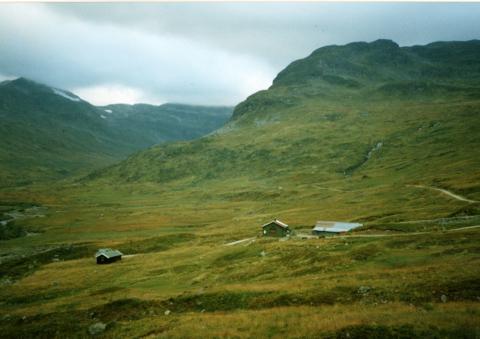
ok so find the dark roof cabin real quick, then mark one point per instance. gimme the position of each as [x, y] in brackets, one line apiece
[276, 228]
[333, 227]
[107, 255]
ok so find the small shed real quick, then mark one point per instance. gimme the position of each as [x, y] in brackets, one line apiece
[276, 228]
[333, 227]
[107, 255]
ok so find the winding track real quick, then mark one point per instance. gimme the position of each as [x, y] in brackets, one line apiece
[444, 191]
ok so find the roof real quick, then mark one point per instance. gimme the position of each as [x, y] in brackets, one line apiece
[277, 222]
[108, 253]
[335, 226]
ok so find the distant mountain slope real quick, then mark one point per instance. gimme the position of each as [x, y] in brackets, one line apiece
[147, 124]
[342, 132]
[49, 133]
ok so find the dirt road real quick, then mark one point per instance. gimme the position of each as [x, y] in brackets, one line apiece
[444, 191]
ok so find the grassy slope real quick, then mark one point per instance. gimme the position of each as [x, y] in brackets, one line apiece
[296, 152]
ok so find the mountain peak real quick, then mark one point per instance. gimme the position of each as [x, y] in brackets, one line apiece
[29, 86]
[22, 81]
[25, 85]
[348, 65]
[384, 43]
[372, 69]
[381, 61]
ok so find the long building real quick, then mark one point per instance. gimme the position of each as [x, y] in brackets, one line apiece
[333, 227]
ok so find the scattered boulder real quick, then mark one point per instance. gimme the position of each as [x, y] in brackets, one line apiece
[363, 290]
[6, 281]
[97, 328]
[167, 312]
[443, 298]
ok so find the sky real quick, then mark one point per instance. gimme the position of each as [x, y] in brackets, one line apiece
[200, 53]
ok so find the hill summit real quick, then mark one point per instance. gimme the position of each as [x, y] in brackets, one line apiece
[376, 70]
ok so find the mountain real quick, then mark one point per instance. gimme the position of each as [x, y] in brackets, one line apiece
[375, 71]
[366, 119]
[147, 125]
[49, 133]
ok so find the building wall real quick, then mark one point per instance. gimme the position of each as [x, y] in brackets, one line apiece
[273, 230]
[326, 234]
[103, 260]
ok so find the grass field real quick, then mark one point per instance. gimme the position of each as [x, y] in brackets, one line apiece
[418, 279]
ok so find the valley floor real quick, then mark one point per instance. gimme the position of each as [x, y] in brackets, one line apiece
[197, 271]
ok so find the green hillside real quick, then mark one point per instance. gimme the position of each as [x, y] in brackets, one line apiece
[365, 119]
[146, 125]
[366, 132]
[48, 133]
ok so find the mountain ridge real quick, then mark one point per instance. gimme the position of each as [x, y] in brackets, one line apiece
[360, 69]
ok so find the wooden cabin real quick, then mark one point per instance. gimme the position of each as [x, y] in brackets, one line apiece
[276, 228]
[328, 228]
[107, 255]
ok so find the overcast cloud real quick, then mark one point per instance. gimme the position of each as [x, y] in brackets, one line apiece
[210, 53]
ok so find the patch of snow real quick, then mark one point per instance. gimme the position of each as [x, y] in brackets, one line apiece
[102, 116]
[65, 95]
[109, 111]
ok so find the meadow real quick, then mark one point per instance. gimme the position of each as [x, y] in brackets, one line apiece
[394, 277]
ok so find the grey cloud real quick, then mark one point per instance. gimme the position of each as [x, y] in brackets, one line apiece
[209, 53]
[282, 32]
